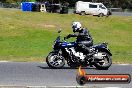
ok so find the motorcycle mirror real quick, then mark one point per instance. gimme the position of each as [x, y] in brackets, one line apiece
[64, 38]
[105, 43]
[59, 31]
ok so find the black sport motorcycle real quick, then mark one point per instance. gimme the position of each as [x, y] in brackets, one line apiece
[69, 52]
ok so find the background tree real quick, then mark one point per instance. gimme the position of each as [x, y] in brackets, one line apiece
[108, 3]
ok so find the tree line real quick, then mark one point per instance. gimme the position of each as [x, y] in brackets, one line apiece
[15, 1]
[124, 4]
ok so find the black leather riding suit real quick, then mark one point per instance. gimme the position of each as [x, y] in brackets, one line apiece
[84, 39]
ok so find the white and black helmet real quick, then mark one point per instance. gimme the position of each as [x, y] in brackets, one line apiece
[76, 26]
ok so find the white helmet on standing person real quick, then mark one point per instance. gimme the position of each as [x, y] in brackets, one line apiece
[76, 26]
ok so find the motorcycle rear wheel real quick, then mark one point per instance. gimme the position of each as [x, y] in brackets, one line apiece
[105, 63]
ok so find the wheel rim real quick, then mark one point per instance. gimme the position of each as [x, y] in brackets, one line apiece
[105, 60]
[82, 13]
[101, 15]
[56, 61]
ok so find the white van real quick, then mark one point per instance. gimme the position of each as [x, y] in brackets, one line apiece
[98, 9]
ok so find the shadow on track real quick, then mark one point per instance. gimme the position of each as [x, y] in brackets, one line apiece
[42, 67]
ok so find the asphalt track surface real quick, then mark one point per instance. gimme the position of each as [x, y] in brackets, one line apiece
[39, 74]
[122, 13]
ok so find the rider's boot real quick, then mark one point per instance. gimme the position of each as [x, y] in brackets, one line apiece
[90, 51]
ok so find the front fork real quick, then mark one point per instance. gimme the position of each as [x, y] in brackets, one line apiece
[59, 52]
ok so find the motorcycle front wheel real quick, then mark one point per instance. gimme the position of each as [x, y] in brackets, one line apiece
[104, 63]
[55, 61]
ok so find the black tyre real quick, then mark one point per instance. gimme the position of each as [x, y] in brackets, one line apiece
[83, 13]
[104, 63]
[101, 15]
[55, 61]
[109, 13]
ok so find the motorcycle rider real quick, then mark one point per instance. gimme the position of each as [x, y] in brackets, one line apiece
[84, 39]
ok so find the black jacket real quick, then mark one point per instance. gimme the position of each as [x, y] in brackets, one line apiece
[82, 36]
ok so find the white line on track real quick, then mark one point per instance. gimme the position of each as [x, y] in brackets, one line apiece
[112, 87]
[67, 87]
[36, 87]
[4, 61]
[123, 64]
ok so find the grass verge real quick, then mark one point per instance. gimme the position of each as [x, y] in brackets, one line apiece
[28, 36]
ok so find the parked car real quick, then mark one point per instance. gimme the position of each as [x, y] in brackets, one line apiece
[91, 8]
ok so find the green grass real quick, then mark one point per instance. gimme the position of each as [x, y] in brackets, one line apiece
[28, 36]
